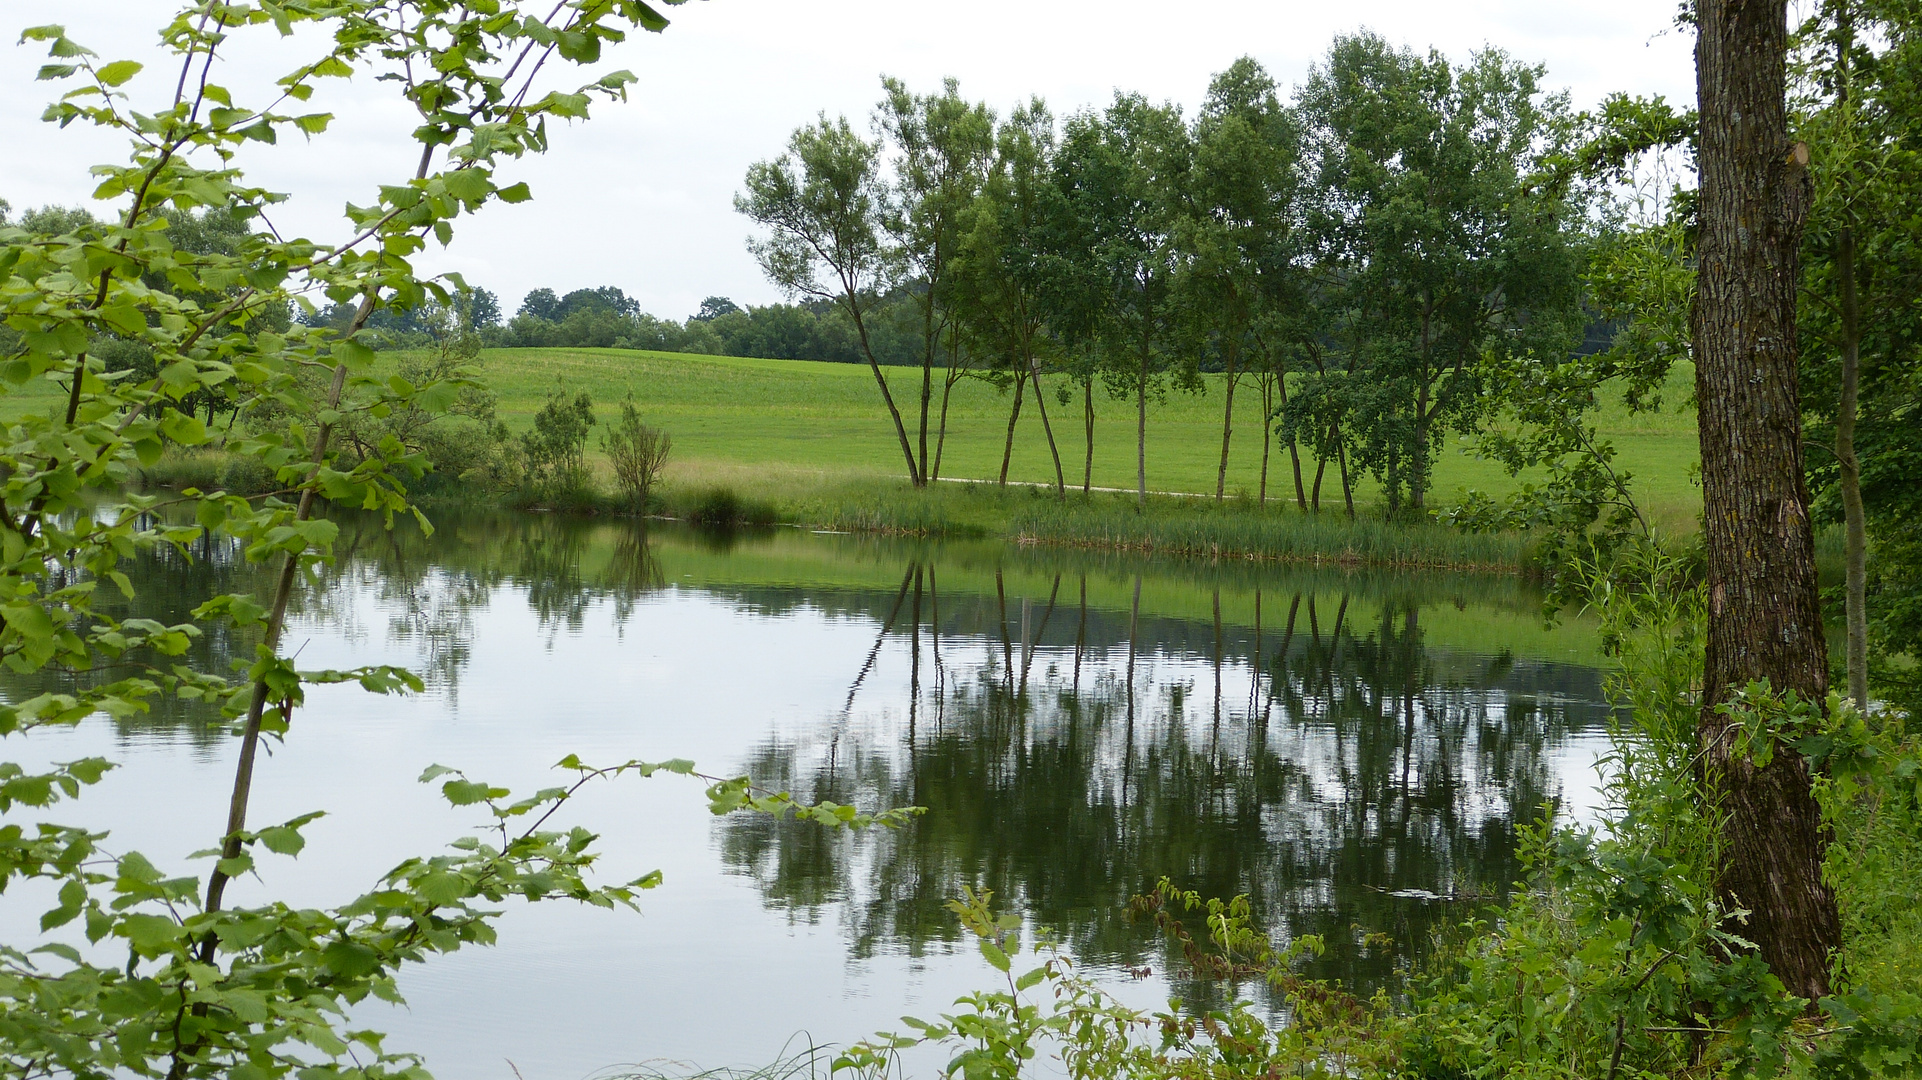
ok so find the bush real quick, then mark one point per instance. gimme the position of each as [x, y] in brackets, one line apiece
[721, 507]
[637, 452]
[553, 456]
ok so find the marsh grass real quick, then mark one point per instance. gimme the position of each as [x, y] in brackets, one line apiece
[810, 1062]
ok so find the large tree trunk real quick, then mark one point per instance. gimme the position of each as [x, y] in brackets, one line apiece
[1764, 617]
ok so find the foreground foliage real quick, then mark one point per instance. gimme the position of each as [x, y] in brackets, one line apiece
[142, 969]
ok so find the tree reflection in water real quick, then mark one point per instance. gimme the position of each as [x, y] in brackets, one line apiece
[1067, 760]
[1322, 757]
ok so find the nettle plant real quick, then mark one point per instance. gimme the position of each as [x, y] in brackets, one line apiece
[139, 970]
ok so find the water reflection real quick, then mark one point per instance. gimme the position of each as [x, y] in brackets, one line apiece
[1331, 763]
[1344, 748]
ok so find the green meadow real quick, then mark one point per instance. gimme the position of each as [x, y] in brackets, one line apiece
[772, 426]
[813, 439]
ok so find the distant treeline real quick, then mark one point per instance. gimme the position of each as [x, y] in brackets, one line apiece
[607, 318]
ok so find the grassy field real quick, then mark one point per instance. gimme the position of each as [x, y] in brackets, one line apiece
[785, 431]
[768, 426]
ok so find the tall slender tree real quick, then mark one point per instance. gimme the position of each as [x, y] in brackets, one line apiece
[822, 203]
[1236, 229]
[942, 147]
[1000, 280]
[1764, 618]
[1119, 173]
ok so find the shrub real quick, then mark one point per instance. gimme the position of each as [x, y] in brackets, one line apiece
[637, 452]
[554, 454]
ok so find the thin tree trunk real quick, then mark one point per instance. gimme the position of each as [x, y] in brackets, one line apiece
[941, 440]
[242, 793]
[1087, 412]
[1267, 418]
[1294, 449]
[1047, 429]
[1014, 414]
[1764, 614]
[1141, 430]
[1854, 516]
[1227, 424]
[900, 429]
[929, 334]
[1856, 616]
[1347, 486]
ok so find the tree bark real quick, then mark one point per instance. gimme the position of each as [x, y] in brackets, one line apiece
[1764, 616]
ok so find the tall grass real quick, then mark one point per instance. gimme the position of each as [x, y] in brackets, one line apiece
[1232, 528]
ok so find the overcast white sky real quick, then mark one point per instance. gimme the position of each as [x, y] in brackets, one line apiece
[641, 197]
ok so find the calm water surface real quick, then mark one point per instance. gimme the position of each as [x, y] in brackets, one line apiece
[1345, 748]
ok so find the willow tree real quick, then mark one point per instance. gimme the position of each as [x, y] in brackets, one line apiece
[942, 148]
[823, 204]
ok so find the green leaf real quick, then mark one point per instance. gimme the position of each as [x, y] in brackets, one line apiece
[282, 839]
[466, 792]
[118, 72]
[994, 955]
[350, 959]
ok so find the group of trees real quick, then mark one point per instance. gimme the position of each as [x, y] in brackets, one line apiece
[607, 318]
[1357, 252]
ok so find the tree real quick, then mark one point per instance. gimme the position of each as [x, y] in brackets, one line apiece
[943, 145]
[822, 203]
[1237, 231]
[1764, 618]
[714, 307]
[178, 980]
[479, 309]
[1447, 245]
[1854, 100]
[541, 304]
[1000, 284]
[1119, 173]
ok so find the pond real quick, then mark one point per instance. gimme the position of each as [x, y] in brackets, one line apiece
[1353, 750]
